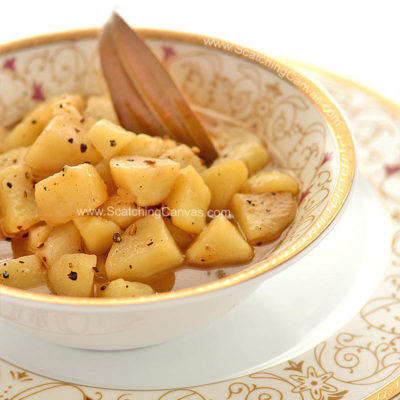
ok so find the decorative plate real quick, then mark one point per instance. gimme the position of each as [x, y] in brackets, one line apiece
[361, 361]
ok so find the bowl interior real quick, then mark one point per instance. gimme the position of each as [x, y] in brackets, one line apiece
[283, 107]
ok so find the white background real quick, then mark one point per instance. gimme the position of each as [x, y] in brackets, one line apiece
[359, 39]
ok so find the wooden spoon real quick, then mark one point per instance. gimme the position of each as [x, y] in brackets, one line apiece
[144, 95]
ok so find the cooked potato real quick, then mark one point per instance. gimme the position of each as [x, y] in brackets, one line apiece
[271, 181]
[99, 107]
[109, 139]
[64, 239]
[185, 156]
[27, 131]
[220, 243]
[13, 157]
[147, 146]
[17, 199]
[163, 282]
[66, 139]
[23, 272]
[183, 239]
[123, 288]
[122, 212]
[224, 180]
[143, 251]
[69, 193]
[189, 201]
[72, 275]
[3, 135]
[97, 233]
[103, 168]
[150, 180]
[263, 217]
[37, 235]
[253, 154]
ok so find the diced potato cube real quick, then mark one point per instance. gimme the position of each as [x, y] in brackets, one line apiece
[263, 217]
[13, 157]
[23, 272]
[271, 181]
[72, 275]
[144, 251]
[220, 243]
[64, 141]
[27, 131]
[147, 146]
[70, 193]
[189, 201]
[109, 139]
[17, 199]
[185, 156]
[224, 180]
[100, 107]
[37, 235]
[97, 233]
[121, 211]
[64, 239]
[150, 180]
[183, 239]
[103, 168]
[123, 288]
[253, 154]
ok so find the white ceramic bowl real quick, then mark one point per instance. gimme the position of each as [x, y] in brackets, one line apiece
[299, 119]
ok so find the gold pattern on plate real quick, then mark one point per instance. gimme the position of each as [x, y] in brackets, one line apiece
[61, 52]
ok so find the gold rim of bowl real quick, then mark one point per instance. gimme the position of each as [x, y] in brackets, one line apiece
[328, 109]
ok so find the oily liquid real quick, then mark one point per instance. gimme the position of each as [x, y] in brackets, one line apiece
[221, 129]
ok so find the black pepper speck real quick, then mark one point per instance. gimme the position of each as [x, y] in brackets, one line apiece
[117, 237]
[73, 276]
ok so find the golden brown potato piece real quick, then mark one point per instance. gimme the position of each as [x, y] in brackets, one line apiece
[27, 131]
[271, 181]
[23, 272]
[189, 201]
[121, 211]
[100, 107]
[37, 235]
[182, 238]
[185, 156]
[64, 239]
[224, 180]
[149, 180]
[64, 141]
[263, 217]
[17, 199]
[97, 233]
[123, 288]
[103, 168]
[70, 193]
[109, 139]
[72, 275]
[220, 243]
[13, 157]
[147, 146]
[139, 253]
[253, 154]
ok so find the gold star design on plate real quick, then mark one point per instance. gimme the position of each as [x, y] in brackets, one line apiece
[316, 384]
